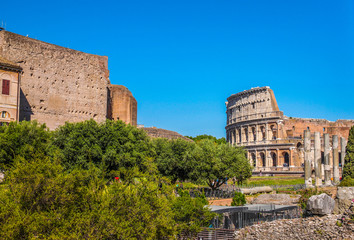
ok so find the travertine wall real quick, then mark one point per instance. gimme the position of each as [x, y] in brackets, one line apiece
[123, 105]
[58, 84]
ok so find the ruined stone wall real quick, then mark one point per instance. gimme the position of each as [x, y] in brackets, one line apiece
[163, 133]
[251, 104]
[123, 105]
[58, 84]
[295, 127]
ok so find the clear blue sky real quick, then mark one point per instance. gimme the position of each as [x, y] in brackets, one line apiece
[181, 59]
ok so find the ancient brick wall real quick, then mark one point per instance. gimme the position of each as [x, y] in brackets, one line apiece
[295, 127]
[163, 133]
[123, 105]
[58, 84]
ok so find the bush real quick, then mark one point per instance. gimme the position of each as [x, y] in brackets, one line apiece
[239, 199]
[347, 182]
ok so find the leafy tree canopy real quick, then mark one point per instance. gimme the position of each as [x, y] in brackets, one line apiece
[112, 146]
[26, 139]
[215, 163]
[174, 158]
[205, 136]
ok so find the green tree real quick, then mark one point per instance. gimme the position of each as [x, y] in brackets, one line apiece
[191, 214]
[113, 146]
[205, 136]
[239, 199]
[41, 200]
[348, 170]
[174, 158]
[26, 139]
[215, 163]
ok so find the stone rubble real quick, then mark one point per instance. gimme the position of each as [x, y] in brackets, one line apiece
[327, 227]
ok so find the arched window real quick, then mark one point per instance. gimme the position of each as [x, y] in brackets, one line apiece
[254, 134]
[286, 159]
[263, 160]
[253, 156]
[246, 134]
[5, 114]
[274, 158]
[263, 133]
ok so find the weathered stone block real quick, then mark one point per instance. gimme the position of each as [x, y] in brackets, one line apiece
[345, 196]
[320, 204]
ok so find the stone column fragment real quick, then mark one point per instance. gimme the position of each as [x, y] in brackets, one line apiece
[317, 159]
[343, 145]
[308, 167]
[335, 159]
[327, 167]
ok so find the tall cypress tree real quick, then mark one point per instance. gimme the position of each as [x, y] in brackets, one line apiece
[348, 170]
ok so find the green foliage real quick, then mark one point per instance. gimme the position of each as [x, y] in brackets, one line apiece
[174, 158]
[191, 213]
[112, 146]
[205, 136]
[239, 199]
[348, 170]
[40, 200]
[347, 182]
[215, 163]
[60, 185]
[26, 139]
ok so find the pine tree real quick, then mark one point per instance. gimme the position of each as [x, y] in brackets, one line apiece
[348, 170]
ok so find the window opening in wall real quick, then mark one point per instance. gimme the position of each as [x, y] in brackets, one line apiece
[263, 160]
[324, 129]
[253, 106]
[286, 159]
[254, 134]
[4, 114]
[6, 87]
[246, 135]
[308, 128]
[274, 158]
[253, 159]
[293, 128]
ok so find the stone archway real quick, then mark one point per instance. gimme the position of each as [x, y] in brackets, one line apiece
[254, 160]
[263, 159]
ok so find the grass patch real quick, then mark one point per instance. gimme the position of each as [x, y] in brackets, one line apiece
[271, 181]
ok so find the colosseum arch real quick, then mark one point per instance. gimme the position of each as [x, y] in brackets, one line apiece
[254, 160]
[274, 159]
[286, 158]
[263, 159]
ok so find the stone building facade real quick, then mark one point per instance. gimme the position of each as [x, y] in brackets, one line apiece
[9, 81]
[60, 84]
[274, 142]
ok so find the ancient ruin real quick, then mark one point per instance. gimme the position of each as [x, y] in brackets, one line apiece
[60, 84]
[275, 143]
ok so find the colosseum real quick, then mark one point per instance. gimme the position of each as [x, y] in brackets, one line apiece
[274, 142]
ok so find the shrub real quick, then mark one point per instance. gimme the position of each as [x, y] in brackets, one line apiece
[347, 182]
[239, 199]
